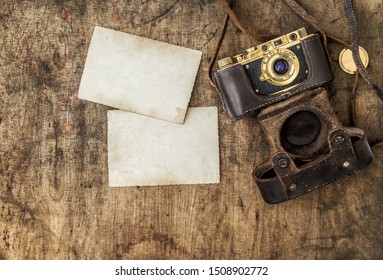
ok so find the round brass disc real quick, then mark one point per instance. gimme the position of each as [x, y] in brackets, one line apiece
[346, 61]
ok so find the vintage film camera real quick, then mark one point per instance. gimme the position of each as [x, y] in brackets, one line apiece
[271, 72]
[283, 80]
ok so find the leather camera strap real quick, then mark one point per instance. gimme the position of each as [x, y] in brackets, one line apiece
[355, 50]
[214, 58]
[256, 36]
[361, 68]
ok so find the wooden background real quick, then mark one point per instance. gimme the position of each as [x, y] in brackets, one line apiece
[55, 202]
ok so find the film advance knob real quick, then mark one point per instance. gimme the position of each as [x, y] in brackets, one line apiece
[224, 62]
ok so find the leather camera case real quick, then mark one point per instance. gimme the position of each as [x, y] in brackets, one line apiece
[289, 173]
[239, 98]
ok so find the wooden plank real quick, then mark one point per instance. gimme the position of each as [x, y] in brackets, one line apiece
[54, 197]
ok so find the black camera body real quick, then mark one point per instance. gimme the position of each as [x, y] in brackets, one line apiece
[271, 72]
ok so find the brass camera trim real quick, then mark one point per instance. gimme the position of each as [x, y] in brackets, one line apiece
[256, 52]
[267, 68]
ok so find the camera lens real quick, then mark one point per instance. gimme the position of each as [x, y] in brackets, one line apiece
[281, 66]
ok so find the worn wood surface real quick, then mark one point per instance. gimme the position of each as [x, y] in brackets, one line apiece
[55, 202]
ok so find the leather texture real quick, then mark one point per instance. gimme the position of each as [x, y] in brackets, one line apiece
[239, 97]
[288, 174]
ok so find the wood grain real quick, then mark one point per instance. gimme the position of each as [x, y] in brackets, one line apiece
[55, 202]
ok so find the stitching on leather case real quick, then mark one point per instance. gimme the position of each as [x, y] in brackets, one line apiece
[227, 70]
[287, 112]
[326, 183]
[329, 181]
[334, 179]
